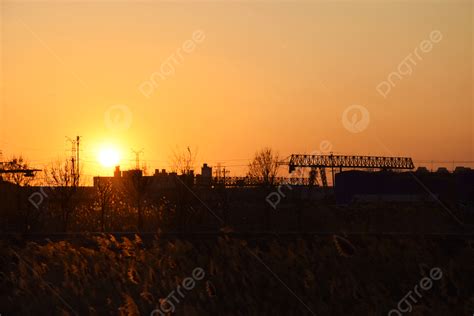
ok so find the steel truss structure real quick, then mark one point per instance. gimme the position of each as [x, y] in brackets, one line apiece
[26, 172]
[342, 161]
[248, 181]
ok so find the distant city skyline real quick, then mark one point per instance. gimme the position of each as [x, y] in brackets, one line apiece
[227, 79]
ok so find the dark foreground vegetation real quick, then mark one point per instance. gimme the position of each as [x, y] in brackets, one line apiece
[127, 249]
[244, 209]
[322, 275]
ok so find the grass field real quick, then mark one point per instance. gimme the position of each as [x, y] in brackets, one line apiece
[321, 275]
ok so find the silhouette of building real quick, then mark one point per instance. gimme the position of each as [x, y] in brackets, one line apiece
[421, 185]
[205, 178]
[161, 179]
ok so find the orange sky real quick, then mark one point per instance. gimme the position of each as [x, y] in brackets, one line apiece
[278, 74]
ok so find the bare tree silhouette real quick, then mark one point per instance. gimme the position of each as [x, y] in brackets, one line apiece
[21, 180]
[135, 188]
[183, 160]
[264, 166]
[65, 180]
[105, 196]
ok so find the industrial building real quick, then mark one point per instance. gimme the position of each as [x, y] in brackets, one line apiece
[421, 185]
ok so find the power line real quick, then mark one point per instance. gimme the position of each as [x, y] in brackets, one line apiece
[137, 158]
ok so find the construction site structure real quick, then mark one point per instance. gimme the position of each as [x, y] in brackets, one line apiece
[319, 163]
[5, 167]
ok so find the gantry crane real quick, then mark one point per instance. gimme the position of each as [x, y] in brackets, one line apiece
[321, 162]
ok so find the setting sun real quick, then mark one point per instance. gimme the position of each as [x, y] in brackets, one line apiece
[194, 154]
[109, 157]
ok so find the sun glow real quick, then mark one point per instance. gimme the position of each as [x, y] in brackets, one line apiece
[109, 157]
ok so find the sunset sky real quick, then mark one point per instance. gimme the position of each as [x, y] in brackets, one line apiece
[277, 74]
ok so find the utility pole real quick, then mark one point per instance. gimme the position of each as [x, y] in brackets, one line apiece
[77, 147]
[332, 170]
[137, 158]
[75, 171]
[217, 171]
[73, 158]
[224, 173]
